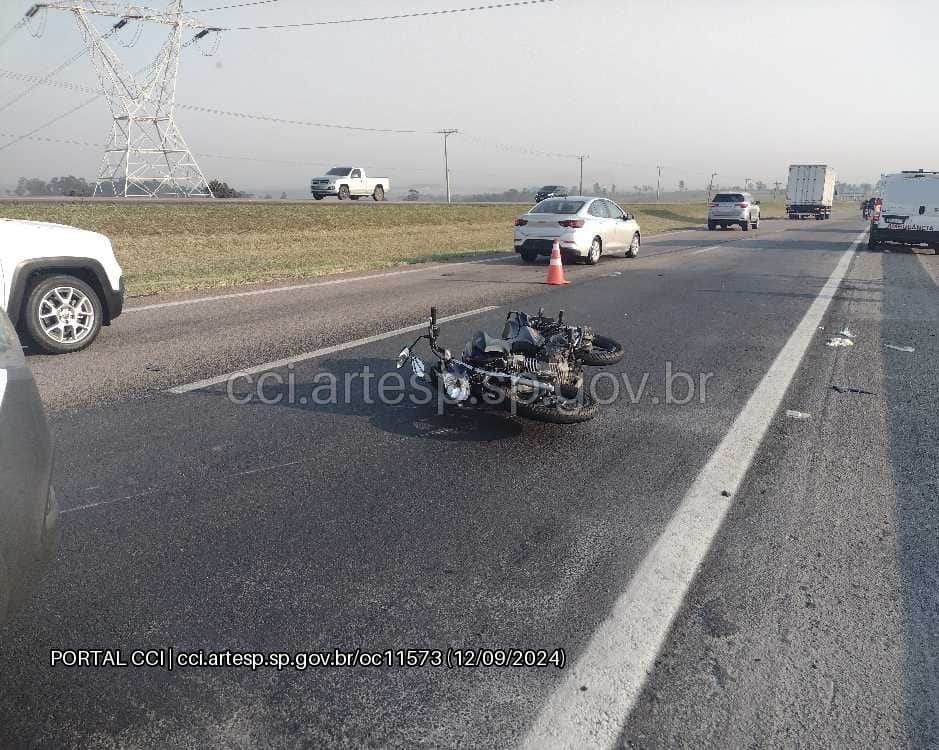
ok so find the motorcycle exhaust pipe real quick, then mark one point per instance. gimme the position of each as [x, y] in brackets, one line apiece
[516, 380]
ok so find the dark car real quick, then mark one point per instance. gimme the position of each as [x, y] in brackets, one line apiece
[28, 511]
[550, 191]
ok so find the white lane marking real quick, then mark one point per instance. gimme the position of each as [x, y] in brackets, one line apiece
[199, 384]
[104, 503]
[3, 383]
[622, 652]
[310, 285]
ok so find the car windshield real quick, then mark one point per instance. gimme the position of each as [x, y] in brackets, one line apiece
[728, 198]
[339, 171]
[557, 206]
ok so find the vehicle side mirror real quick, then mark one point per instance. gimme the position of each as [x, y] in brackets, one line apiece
[628, 217]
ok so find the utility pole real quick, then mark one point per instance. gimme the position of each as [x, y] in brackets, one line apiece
[146, 155]
[446, 133]
[581, 189]
[658, 185]
[776, 186]
[711, 185]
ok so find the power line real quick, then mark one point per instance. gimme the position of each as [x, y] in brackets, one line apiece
[283, 121]
[395, 17]
[12, 32]
[39, 80]
[43, 79]
[46, 124]
[235, 5]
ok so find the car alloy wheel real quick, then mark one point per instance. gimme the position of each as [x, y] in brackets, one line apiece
[596, 249]
[633, 250]
[66, 315]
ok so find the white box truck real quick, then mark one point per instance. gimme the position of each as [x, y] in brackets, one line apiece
[810, 191]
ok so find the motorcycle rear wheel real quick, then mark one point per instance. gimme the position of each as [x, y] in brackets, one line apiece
[605, 351]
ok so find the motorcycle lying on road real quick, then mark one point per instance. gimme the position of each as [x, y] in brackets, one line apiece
[536, 367]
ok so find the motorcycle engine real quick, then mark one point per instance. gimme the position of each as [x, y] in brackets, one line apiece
[550, 364]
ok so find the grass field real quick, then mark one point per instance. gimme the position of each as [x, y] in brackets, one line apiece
[179, 246]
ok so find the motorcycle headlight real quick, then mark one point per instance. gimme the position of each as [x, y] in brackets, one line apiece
[456, 387]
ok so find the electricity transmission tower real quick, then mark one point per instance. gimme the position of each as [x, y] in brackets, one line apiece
[146, 155]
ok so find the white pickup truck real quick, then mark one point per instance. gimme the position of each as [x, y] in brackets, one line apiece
[349, 182]
[59, 284]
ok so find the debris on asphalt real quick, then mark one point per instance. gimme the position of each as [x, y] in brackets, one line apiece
[615, 273]
[851, 389]
[846, 333]
[793, 414]
[907, 349]
[836, 341]
[725, 493]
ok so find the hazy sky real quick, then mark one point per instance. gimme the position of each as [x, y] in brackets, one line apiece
[740, 88]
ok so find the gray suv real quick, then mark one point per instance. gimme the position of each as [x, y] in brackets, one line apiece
[727, 209]
[28, 511]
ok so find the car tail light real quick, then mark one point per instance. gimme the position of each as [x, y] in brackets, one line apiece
[712, 205]
[743, 205]
[572, 223]
[521, 222]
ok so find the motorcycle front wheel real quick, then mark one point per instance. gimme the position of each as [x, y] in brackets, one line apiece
[605, 351]
[572, 407]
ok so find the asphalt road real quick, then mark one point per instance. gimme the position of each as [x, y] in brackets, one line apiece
[755, 567]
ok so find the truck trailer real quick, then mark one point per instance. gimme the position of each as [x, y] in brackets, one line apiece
[810, 191]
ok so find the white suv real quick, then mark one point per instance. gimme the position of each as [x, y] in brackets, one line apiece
[909, 214]
[734, 208]
[58, 284]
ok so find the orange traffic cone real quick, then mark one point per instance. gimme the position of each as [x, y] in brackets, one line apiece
[556, 267]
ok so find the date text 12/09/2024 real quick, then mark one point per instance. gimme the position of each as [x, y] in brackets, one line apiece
[170, 658]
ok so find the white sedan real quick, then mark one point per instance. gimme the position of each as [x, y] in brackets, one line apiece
[584, 228]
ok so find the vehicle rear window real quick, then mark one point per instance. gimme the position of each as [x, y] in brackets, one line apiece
[912, 191]
[728, 198]
[551, 188]
[557, 206]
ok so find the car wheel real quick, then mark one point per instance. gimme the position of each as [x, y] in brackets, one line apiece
[633, 250]
[873, 245]
[344, 193]
[63, 314]
[745, 225]
[595, 251]
[529, 256]
[318, 197]
[379, 194]
[711, 226]
[756, 224]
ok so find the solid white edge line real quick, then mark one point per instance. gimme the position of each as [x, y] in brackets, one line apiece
[199, 384]
[622, 651]
[3, 384]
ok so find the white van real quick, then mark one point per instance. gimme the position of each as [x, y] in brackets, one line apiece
[910, 211]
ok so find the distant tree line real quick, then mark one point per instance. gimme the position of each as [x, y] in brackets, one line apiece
[68, 186]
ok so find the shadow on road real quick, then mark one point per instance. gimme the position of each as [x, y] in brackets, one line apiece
[430, 421]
